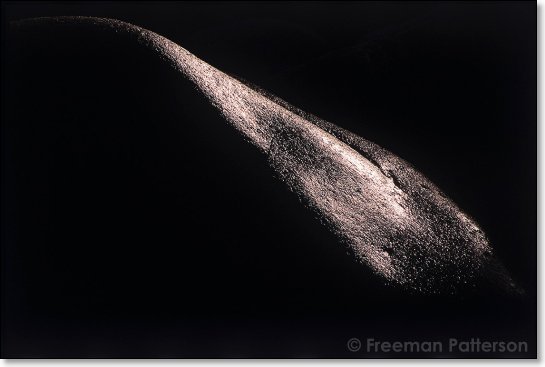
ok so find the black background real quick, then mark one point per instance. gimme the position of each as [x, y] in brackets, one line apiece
[137, 223]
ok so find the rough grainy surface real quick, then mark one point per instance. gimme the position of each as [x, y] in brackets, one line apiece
[395, 220]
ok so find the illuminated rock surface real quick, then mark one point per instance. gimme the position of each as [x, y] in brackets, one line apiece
[395, 220]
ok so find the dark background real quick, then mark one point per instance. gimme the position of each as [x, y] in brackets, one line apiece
[137, 223]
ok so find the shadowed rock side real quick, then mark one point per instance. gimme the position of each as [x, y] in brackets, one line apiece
[395, 220]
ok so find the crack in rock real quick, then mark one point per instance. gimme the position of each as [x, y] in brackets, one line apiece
[395, 220]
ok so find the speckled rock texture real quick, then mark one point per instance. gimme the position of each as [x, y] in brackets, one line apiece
[394, 219]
